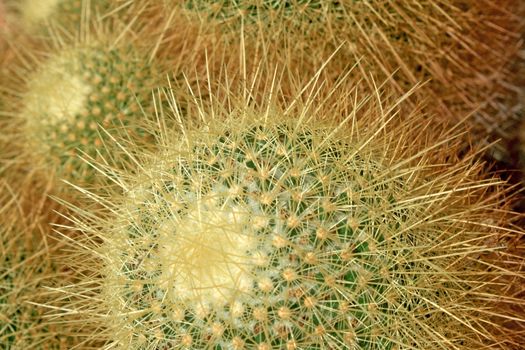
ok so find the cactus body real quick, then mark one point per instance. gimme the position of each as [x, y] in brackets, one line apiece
[76, 91]
[258, 235]
[62, 91]
[453, 45]
[259, 229]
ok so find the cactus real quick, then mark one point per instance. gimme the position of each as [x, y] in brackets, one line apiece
[59, 90]
[259, 240]
[77, 89]
[261, 230]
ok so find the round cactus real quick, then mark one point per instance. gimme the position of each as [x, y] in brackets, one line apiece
[249, 236]
[60, 92]
[259, 230]
[76, 90]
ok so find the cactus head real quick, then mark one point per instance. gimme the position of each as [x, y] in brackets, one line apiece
[261, 235]
[75, 91]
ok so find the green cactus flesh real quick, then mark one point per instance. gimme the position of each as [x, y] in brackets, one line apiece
[75, 92]
[265, 237]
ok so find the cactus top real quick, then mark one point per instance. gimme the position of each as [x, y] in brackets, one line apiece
[59, 91]
[257, 235]
[75, 91]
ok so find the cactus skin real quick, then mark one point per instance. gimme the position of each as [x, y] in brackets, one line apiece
[74, 92]
[264, 230]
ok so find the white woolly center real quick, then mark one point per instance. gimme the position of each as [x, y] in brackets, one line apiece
[56, 94]
[34, 11]
[204, 254]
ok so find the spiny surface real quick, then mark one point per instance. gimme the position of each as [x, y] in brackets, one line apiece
[34, 14]
[74, 92]
[261, 236]
[465, 48]
[273, 233]
[263, 9]
[19, 323]
[337, 221]
[25, 266]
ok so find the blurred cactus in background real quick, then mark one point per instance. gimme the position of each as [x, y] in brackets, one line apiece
[465, 49]
[74, 92]
[65, 93]
[34, 15]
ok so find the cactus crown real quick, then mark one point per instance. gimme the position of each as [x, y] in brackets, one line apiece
[266, 234]
[37, 11]
[74, 92]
